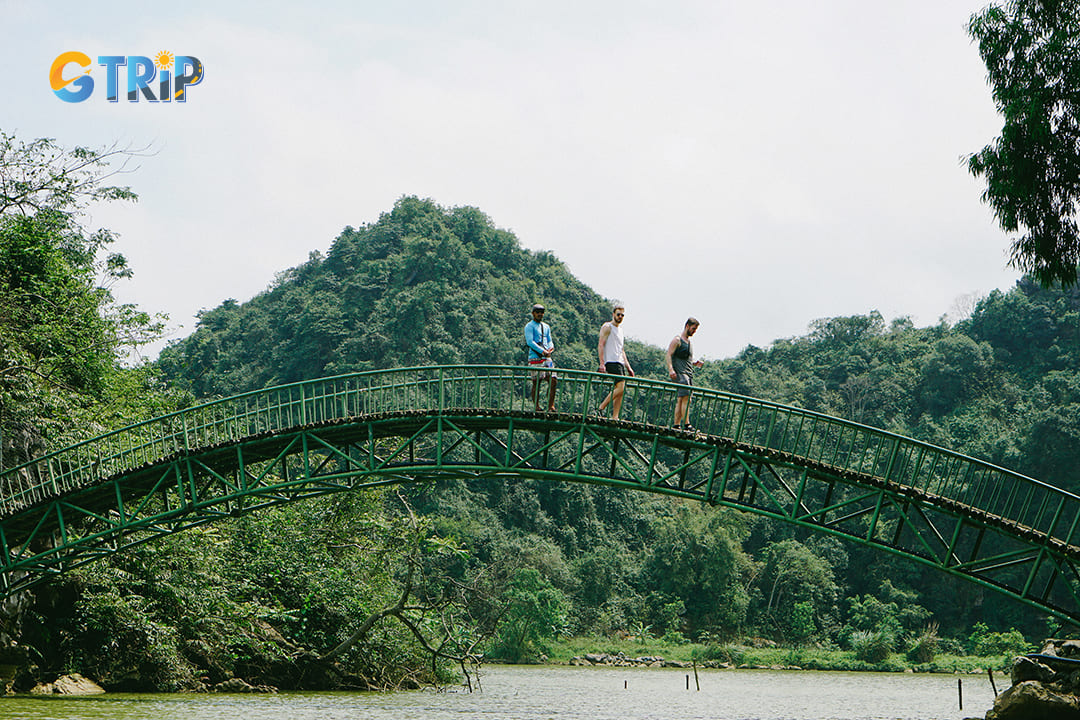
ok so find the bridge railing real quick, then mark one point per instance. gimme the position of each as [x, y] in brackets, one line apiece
[802, 435]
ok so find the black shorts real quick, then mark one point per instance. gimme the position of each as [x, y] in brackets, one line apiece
[614, 368]
[686, 381]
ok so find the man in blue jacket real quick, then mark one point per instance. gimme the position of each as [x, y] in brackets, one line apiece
[541, 347]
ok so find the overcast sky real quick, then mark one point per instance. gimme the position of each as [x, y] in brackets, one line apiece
[757, 165]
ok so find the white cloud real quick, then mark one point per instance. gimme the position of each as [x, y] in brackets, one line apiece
[756, 165]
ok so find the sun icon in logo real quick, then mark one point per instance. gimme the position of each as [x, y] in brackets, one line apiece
[163, 60]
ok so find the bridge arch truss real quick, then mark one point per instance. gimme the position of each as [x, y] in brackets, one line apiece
[965, 517]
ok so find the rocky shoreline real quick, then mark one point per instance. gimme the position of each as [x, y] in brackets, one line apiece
[76, 684]
[623, 660]
[1045, 685]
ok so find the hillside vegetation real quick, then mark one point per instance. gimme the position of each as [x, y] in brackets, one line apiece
[503, 568]
[429, 285]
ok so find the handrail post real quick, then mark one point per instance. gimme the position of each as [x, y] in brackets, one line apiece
[739, 425]
[303, 405]
[892, 458]
[52, 477]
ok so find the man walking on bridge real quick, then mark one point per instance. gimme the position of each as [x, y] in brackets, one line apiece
[613, 359]
[541, 348]
[680, 365]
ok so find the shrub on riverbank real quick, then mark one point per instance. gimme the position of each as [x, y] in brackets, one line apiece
[737, 655]
[258, 598]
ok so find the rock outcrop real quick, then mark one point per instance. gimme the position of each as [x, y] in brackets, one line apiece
[1044, 685]
[237, 685]
[618, 660]
[74, 684]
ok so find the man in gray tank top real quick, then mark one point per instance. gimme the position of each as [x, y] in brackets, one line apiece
[680, 365]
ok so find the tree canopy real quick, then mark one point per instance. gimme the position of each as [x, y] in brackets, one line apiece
[431, 284]
[1032, 53]
[62, 335]
[489, 565]
[422, 285]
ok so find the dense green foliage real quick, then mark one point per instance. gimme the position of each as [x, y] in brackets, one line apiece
[257, 597]
[261, 597]
[420, 286]
[1001, 384]
[60, 331]
[314, 594]
[1031, 170]
[273, 598]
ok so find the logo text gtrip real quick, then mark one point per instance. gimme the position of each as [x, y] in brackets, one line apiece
[165, 78]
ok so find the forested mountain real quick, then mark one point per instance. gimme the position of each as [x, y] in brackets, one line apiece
[430, 285]
[421, 286]
[1002, 384]
[283, 596]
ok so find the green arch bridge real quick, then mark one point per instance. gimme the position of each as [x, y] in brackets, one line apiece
[965, 517]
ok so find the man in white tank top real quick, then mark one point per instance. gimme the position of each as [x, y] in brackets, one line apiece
[613, 359]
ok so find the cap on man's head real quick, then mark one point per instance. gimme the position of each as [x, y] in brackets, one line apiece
[539, 307]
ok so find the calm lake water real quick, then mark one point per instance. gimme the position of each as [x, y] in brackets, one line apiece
[539, 693]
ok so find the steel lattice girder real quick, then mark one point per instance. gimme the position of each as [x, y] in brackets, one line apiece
[227, 479]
